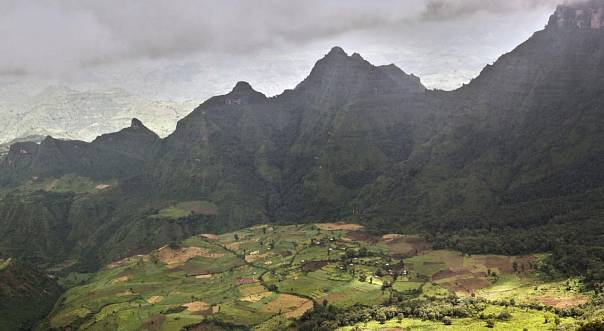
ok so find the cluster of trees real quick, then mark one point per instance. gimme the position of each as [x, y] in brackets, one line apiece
[328, 317]
[574, 241]
[438, 309]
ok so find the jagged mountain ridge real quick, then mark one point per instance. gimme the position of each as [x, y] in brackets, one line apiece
[276, 142]
[528, 127]
[368, 142]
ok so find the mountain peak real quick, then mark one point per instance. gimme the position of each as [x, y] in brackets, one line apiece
[242, 86]
[337, 51]
[579, 15]
[243, 93]
[136, 124]
[356, 56]
[338, 78]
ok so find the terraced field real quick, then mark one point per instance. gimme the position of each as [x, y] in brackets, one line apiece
[266, 276]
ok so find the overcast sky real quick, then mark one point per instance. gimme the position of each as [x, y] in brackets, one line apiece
[192, 49]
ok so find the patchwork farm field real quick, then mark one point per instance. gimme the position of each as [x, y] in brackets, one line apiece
[265, 277]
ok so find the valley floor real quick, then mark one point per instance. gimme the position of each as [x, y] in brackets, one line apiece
[266, 277]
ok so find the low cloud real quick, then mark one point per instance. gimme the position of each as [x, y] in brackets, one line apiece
[447, 9]
[57, 36]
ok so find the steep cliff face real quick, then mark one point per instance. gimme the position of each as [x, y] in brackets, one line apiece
[526, 130]
[581, 15]
[357, 122]
[338, 79]
[302, 152]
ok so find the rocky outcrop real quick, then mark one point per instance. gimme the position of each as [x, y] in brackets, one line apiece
[581, 15]
[341, 78]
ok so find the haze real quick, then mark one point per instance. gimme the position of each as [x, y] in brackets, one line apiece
[195, 49]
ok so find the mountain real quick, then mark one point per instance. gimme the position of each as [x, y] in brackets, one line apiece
[510, 163]
[114, 155]
[522, 146]
[73, 114]
[308, 148]
[4, 148]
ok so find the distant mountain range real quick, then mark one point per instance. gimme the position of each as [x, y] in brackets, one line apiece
[510, 163]
[69, 113]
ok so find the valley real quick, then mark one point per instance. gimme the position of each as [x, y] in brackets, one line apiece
[264, 277]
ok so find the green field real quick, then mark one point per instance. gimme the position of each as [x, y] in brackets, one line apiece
[266, 276]
[187, 208]
[4, 263]
[69, 183]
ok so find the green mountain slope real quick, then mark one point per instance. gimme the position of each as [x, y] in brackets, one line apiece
[26, 295]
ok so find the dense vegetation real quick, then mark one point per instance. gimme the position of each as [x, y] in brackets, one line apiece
[26, 295]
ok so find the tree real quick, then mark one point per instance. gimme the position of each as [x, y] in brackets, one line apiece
[363, 252]
[381, 317]
[504, 316]
[399, 318]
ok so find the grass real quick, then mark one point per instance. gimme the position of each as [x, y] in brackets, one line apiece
[69, 183]
[187, 208]
[74, 279]
[4, 263]
[406, 286]
[531, 289]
